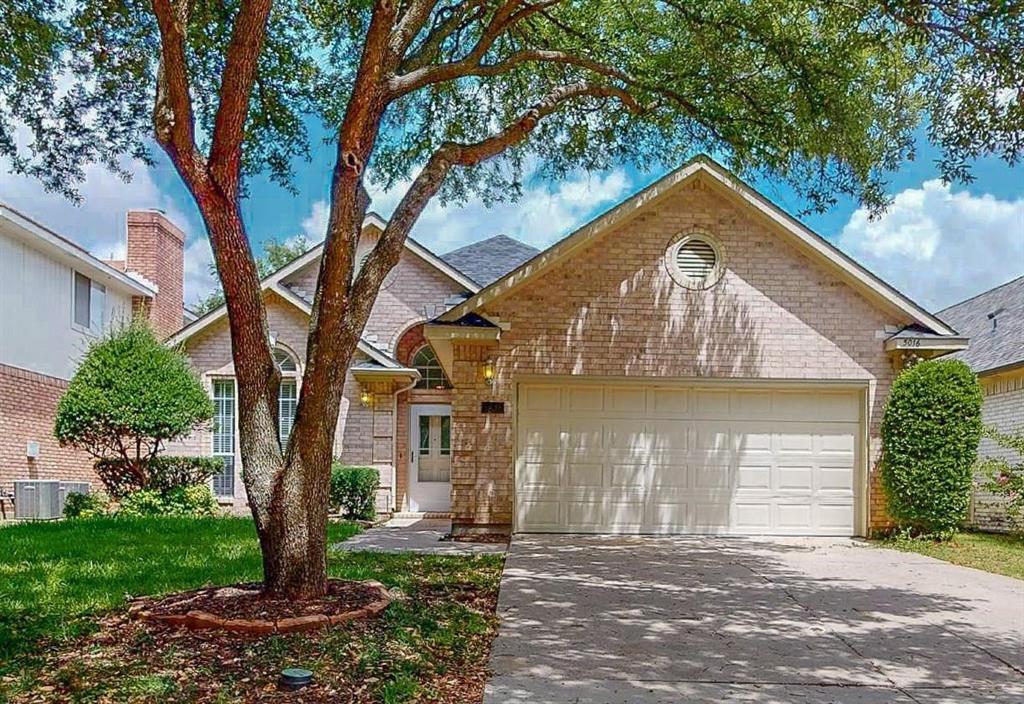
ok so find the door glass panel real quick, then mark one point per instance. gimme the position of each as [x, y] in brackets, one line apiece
[446, 435]
[424, 435]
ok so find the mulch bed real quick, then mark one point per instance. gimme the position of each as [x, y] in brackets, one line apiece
[244, 608]
[247, 669]
[491, 538]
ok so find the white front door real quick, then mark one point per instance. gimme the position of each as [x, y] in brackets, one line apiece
[430, 457]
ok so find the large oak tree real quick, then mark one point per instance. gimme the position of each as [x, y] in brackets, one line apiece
[457, 98]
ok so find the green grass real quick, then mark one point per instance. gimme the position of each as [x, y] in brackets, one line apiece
[991, 552]
[54, 574]
[61, 581]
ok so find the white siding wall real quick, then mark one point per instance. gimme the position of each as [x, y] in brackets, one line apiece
[36, 331]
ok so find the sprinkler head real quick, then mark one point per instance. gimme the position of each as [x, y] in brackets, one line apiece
[294, 678]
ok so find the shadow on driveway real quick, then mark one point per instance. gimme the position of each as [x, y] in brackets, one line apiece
[598, 620]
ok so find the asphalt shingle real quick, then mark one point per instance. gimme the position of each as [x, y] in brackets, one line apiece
[488, 260]
[994, 322]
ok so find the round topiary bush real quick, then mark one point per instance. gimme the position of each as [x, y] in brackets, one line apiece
[930, 432]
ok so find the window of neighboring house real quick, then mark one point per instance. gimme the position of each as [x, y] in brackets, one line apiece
[224, 435]
[89, 304]
[431, 374]
[287, 393]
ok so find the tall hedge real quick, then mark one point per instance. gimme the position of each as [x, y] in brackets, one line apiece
[930, 432]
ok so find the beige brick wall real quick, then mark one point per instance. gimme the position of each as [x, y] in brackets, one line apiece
[613, 311]
[28, 406]
[365, 436]
[414, 291]
[1004, 409]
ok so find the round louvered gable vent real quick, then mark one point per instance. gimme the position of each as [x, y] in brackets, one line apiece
[695, 261]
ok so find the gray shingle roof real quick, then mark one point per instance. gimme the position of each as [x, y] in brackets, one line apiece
[488, 260]
[994, 322]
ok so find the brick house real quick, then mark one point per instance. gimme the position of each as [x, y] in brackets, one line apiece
[693, 360]
[55, 297]
[994, 320]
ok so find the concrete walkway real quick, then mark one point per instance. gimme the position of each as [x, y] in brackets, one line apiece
[596, 620]
[417, 535]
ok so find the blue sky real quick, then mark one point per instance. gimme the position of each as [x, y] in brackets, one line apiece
[937, 243]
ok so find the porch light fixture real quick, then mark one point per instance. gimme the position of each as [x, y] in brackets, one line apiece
[364, 397]
[488, 371]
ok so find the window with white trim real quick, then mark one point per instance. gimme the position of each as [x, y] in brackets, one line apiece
[287, 402]
[89, 303]
[287, 393]
[432, 376]
[224, 435]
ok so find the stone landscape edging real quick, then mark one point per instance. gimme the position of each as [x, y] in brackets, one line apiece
[202, 620]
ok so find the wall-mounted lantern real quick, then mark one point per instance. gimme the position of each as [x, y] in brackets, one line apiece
[365, 397]
[488, 371]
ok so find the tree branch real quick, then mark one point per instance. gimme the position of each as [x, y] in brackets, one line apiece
[409, 25]
[243, 52]
[448, 21]
[173, 121]
[509, 14]
[428, 182]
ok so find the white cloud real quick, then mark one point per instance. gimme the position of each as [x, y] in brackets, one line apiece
[98, 222]
[938, 246]
[544, 213]
[314, 227]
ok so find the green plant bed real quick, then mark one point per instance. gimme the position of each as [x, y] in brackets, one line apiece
[992, 552]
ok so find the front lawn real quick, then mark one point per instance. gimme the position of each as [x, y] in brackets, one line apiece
[63, 635]
[992, 552]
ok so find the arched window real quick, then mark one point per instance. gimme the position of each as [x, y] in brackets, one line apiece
[284, 361]
[431, 374]
[287, 393]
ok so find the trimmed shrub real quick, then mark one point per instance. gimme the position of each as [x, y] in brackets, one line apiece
[196, 500]
[930, 432]
[130, 396]
[163, 473]
[1004, 478]
[354, 491]
[144, 502]
[78, 505]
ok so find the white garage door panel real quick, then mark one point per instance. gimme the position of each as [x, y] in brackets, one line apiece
[674, 460]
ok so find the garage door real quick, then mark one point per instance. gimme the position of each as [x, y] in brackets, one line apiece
[664, 459]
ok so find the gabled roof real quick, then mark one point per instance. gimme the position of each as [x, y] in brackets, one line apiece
[994, 320]
[728, 184]
[42, 238]
[275, 281]
[378, 356]
[488, 260]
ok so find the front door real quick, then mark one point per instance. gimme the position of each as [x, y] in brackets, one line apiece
[430, 457]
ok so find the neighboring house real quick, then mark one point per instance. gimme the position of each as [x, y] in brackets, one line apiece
[693, 360]
[55, 298]
[994, 321]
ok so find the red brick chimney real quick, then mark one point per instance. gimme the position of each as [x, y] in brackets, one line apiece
[156, 250]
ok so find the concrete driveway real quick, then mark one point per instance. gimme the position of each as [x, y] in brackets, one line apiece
[599, 620]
